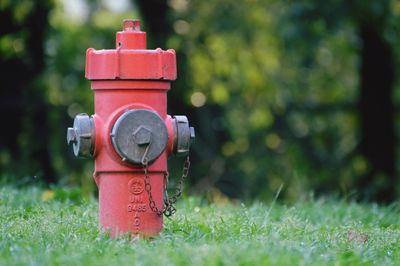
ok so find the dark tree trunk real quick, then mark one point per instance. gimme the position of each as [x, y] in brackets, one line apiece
[376, 115]
[40, 129]
[155, 20]
[22, 99]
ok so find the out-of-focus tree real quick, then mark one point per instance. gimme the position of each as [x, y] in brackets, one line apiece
[23, 144]
[292, 92]
[377, 79]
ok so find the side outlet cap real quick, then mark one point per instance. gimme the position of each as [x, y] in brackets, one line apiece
[82, 135]
[138, 133]
[184, 135]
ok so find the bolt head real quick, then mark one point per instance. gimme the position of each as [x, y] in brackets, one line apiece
[71, 135]
[142, 136]
[192, 135]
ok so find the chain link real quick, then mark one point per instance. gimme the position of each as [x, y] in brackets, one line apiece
[147, 187]
[168, 206]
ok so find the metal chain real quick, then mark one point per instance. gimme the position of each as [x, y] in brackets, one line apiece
[147, 187]
[179, 187]
[168, 206]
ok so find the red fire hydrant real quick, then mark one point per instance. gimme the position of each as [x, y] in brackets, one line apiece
[130, 135]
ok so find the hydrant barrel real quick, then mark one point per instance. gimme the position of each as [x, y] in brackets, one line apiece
[130, 134]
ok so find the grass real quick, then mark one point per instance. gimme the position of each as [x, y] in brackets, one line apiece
[64, 231]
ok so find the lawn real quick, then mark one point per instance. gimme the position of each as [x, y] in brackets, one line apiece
[59, 228]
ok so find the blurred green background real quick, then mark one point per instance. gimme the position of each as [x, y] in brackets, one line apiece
[301, 93]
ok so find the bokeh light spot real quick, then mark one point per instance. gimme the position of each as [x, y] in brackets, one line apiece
[272, 141]
[181, 27]
[198, 99]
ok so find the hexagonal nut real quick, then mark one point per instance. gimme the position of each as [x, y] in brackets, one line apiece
[142, 136]
[71, 135]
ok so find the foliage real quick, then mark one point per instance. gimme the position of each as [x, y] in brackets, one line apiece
[59, 231]
[277, 88]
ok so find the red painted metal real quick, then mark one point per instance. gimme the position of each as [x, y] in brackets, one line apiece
[129, 77]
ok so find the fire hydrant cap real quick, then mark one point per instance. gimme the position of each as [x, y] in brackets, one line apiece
[138, 133]
[184, 135]
[81, 135]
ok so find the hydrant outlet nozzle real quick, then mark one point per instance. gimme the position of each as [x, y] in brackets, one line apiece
[81, 135]
[139, 132]
[184, 135]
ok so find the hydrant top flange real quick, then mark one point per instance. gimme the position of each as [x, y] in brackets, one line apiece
[138, 133]
[130, 60]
